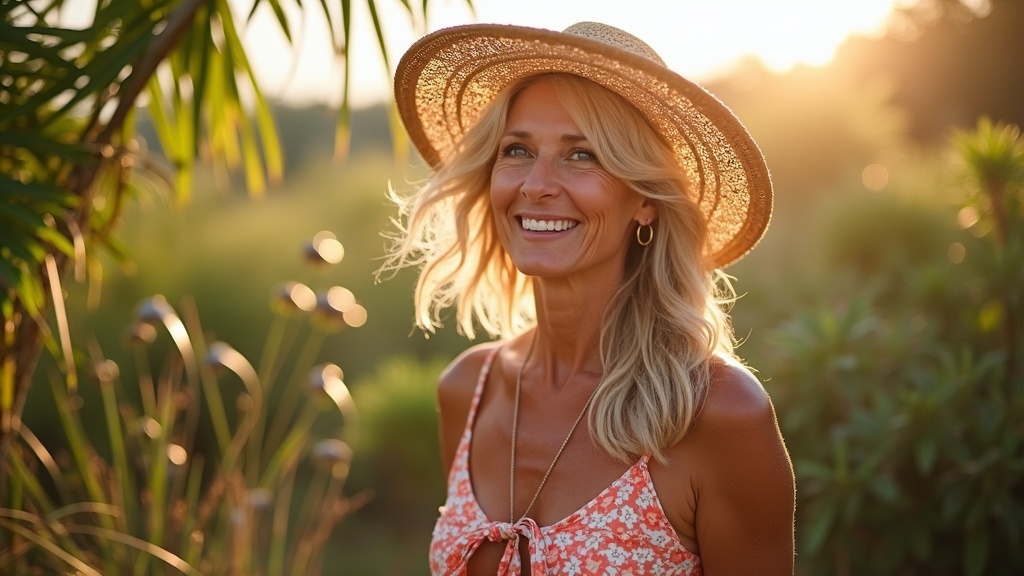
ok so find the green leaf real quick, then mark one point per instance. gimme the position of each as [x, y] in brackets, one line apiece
[885, 488]
[329, 18]
[39, 192]
[18, 215]
[282, 19]
[41, 145]
[25, 247]
[102, 72]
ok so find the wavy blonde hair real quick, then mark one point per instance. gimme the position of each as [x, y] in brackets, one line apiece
[663, 325]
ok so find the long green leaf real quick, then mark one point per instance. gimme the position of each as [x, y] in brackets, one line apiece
[26, 248]
[16, 214]
[329, 18]
[162, 124]
[56, 240]
[34, 489]
[103, 72]
[44, 541]
[372, 5]
[282, 19]
[116, 434]
[200, 53]
[38, 192]
[149, 548]
[235, 55]
[80, 451]
[343, 127]
[44, 145]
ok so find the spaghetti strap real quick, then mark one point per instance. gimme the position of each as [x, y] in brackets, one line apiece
[462, 452]
[478, 392]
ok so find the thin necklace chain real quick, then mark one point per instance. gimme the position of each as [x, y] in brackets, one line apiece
[515, 424]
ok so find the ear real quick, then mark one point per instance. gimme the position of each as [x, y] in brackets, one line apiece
[647, 212]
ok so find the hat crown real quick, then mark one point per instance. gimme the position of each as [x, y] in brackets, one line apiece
[615, 37]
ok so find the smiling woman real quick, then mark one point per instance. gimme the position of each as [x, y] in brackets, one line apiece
[584, 200]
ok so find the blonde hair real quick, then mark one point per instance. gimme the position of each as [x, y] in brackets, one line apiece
[667, 319]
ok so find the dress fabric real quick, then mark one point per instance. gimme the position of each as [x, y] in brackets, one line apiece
[622, 532]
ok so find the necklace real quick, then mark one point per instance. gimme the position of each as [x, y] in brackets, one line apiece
[515, 423]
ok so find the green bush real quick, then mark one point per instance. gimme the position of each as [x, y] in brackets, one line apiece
[901, 395]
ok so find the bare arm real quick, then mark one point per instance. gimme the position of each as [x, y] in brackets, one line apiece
[745, 483]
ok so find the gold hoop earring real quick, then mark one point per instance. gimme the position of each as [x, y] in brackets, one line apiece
[650, 234]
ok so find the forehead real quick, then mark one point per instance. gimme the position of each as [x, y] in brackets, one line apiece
[539, 106]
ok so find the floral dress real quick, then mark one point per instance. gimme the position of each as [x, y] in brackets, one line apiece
[622, 532]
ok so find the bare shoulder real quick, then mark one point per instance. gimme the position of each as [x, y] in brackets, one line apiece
[736, 427]
[459, 378]
[744, 478]
[735, 399]
[455, 396]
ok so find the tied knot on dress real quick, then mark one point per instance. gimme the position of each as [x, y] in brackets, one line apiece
[501, 531]
[510, 564]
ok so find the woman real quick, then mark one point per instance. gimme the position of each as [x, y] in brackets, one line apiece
[583, 203]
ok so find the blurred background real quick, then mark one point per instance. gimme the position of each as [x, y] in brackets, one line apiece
[881, 311]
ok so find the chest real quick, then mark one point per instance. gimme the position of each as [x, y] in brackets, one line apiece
[554, 474]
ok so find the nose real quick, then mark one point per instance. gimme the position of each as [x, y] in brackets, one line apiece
[542, 179]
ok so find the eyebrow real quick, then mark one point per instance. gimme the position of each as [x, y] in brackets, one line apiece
[566, 138]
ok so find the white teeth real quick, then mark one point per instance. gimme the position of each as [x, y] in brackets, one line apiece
[547, 225]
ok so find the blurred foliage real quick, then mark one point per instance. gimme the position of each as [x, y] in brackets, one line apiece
[397, 458]
[874, 271]
[949, 63]
[209, 465]
[901, 393]
[69, 157]
[70, 164]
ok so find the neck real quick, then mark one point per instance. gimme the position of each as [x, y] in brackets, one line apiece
[568, 333]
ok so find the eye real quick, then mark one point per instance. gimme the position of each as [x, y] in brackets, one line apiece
[514, 150]
[582, 154]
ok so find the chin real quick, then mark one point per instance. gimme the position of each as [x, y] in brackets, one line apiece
[541, 270]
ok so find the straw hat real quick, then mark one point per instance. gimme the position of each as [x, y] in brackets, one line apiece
[447, 78]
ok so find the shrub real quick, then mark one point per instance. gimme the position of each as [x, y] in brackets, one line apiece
[903, 405]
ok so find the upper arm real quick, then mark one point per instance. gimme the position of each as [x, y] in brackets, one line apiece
[746, 493]
[454, 396]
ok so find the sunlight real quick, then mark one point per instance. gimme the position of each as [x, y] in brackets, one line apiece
[787, 33]
[699, 39]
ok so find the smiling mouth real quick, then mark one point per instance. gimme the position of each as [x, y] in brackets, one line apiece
[534, 225]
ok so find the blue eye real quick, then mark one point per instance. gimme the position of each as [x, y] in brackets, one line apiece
[513, 150]
[583, 155]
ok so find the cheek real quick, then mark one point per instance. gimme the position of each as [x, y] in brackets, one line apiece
[503, 187]
[501, 191]
[500, 199]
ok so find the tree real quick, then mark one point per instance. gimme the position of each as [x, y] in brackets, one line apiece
[69, 159]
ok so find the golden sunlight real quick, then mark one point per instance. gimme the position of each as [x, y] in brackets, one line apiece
[699, 39]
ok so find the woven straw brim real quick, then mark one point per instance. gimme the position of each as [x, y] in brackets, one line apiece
[447, 78]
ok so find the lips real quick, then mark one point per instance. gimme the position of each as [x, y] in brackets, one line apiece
[538, 225]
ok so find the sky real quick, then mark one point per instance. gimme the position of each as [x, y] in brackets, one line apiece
[699, 39]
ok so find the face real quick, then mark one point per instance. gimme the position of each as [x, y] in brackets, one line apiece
[558, 212]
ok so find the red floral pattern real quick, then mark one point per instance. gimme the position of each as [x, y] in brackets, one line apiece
[621, 532]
